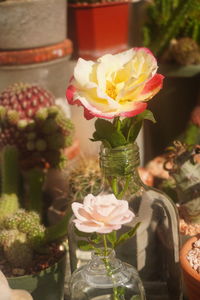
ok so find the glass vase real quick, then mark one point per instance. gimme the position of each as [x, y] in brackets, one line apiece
[154, 250]
[105, 277]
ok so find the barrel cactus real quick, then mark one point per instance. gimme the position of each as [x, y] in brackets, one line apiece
[84, 179]
[30, 120]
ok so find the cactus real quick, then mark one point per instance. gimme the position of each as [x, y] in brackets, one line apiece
[20, 235]
[83, 180]
[185, 51]
[9, 201]
[168, 19]
[185, 171]
[25, 155]
[29, 120]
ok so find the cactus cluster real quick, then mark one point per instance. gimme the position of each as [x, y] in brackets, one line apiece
[20, 234]
[30, 120]
[84, 179]
[168, 19]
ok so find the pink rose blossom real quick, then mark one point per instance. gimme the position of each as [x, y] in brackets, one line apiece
[115, 85]
[102, 214]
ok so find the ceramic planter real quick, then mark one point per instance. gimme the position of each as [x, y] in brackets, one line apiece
[46, 285]
[97, 29]
[52, 75]
[191, 277]
[21, 23]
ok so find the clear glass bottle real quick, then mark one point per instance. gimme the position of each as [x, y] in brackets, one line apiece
[154, 250]
[106, 278]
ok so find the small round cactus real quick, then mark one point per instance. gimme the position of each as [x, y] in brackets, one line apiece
[185, 51]
[21, 233]
[84, 179]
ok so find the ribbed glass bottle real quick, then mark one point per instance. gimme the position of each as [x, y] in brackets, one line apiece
[106, 278]
[154, 250]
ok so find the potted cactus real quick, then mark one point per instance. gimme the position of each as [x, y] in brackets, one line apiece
[34, 133]
[98, 27]
[172, 32]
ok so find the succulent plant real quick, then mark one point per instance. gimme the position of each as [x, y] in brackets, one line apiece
[84, 179]
[185, 51]
[183, 165]
[30, 120]
[168, 19]
[21, 231]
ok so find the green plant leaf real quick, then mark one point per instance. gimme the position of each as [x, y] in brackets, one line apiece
[108, 133]
[137, 122]
[127, 235]
[83, 245]
[96, 238]
[112, 238]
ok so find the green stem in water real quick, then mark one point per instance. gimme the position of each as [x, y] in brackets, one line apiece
[114, 186]
[117, 295]
[121, 194]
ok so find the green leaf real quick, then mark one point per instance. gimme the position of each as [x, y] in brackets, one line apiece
[112, 238]
[127, 235]
[83, 245]
[134, 131]
[137, 122]
[108, 133]
[96, 238]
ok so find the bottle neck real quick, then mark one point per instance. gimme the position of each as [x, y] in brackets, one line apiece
[120, 161]
[99, 263]
[119, 169]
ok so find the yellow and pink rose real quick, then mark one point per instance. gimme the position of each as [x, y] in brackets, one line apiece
[115, 85]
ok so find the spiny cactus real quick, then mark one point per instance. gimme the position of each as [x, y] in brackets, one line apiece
[185, 170]
[168, 19]
[29, 120]
[84, 179]
[20, 235]
[10, 175]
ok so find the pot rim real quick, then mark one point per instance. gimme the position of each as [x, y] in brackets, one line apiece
[45, 271]
[183, 260]
[93, 5]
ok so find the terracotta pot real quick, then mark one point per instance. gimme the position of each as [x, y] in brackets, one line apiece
[191, 277]
[97, 29]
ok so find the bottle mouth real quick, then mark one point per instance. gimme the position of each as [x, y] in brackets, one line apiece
[120, 160]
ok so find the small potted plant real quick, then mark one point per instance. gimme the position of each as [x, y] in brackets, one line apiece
[98, 27]
[34, 134]
[190, 263]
